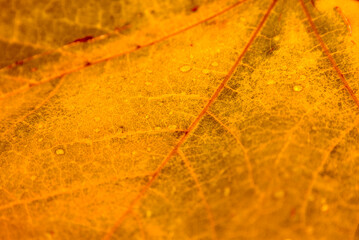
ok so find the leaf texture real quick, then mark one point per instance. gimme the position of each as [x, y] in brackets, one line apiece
[205, 120]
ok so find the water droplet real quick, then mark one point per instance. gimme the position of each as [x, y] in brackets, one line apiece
[185, 68]
[147, 117]
[227, 191]
[148, 213]
[309, 230]
[298, 88]
[279, 194]
[324, 208]
[206, 71]
[215, 64]
[270, 82]
[60, 151]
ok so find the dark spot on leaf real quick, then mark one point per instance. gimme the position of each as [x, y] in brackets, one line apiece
[84, 39]
[20, 62]
[194, 9]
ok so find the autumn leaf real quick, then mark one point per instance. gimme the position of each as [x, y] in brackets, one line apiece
[179, 120]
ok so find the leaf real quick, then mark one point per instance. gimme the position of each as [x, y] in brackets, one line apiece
[185, 120]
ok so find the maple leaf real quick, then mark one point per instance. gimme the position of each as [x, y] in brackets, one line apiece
[191, 120]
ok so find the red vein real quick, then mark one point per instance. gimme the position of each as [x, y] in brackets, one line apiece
[345, 19]
[101, 60]
[328, 53]
[71, 44]
[200, 193]
[193, 125]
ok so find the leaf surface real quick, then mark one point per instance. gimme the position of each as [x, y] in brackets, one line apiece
[205, 120]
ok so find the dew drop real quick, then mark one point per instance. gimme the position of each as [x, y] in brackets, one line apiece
[215, 64]
[324, 208]
[205, 71]
[270, 82]
[298, 88]
[279, 194]
[172, 127]
[60, 151]
[185, 68]
[227, 191]
[309, 230]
